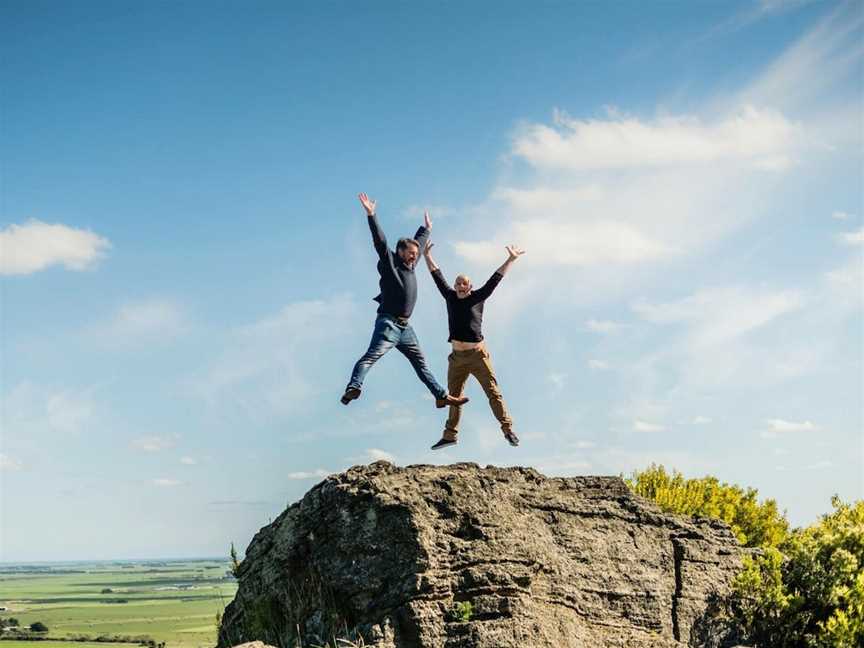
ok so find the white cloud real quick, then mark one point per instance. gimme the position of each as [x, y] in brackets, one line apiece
[841, 216]
[415, 212]
[69, 410]
[147, 320]
[776, 427]
[34, 246]
[320, 472]
[822, 60]
[167, 482]
[274, 365]
[852, 238]
[153, 443]
[644, 426]
[375, 454]
[700, 420]
[718, 315]
[762, 138]
[8, 463]
[188, 461]
[583, 445]
[781, 425]
[598, 364]
[557, 380]
[602, 326]
[819, 465]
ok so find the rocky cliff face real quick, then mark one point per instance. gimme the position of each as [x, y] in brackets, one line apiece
[461, 556]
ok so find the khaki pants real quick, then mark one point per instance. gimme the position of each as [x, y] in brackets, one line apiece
[478, 363]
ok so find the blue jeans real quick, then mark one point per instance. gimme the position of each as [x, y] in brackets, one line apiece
[385, 336]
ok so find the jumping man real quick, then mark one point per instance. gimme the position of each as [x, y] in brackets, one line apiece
[469, 356]
[396, 302]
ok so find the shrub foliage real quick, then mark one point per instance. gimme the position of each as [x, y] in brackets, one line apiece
[802, 588]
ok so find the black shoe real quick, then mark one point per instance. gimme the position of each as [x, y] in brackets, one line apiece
[350, 394]
[444, 443]
[512, 439]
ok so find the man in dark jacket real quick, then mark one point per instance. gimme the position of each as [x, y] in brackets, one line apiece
[470, 356]
[396, 303]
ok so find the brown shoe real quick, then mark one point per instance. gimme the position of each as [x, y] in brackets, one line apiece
[350, 394]
[457, 401]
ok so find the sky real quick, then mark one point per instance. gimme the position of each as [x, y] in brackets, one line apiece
[186, 273]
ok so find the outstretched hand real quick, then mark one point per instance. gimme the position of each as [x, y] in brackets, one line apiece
[426, 220]
[514, 252]
[368, 204]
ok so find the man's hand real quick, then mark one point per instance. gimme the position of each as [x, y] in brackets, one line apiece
[427, 222]
[514, 252]
[428, 250]
[368, 204]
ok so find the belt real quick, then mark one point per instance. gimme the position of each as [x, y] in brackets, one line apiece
[401, 321]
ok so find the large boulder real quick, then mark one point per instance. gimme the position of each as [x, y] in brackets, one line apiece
[462, 556]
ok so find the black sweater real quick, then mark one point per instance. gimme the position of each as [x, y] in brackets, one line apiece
[398, 283]
[465, 316]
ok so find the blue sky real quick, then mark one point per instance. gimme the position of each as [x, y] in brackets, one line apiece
[187, 274]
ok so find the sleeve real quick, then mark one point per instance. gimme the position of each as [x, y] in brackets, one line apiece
[441, 283]
[378, 238]
[421, 237]
[486, 289]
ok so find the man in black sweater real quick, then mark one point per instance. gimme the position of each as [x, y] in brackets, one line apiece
[469, 356]
[396, 303]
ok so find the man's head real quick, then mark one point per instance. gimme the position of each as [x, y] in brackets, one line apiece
[462, 286]
[408, 250]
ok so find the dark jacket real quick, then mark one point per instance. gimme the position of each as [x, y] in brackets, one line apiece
[398, 282]
[465, 316]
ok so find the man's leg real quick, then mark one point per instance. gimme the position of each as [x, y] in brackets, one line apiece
[384, 337]
[457, 375]
[409, 345]
[481, 367]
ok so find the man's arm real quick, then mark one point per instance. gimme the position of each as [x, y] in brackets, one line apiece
[378, 238]
[486, 289]
[437, 275]
[423, 231]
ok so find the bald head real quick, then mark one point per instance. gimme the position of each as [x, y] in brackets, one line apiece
[462, 286]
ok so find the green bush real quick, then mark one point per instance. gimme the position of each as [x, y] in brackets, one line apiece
[808, 592]
[754, 524]
[801, 589]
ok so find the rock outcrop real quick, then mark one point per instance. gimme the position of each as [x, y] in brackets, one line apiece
[461, 556]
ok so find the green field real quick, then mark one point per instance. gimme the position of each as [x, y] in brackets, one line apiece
[171, 602]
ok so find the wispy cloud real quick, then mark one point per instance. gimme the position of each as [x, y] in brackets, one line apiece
[852, 238]
[35, 246]
[603, 326]
[188, 461]
[777, 427]
[143, 320]
[376, 454]
[153, 443]
[167, 482]
[841, 215]
[600, 365]
[8, 463]
[645, 426]
[314, 474]
[272, 366]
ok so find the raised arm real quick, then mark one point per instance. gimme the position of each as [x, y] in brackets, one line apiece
[437, 275]
[378, 238]
[423, 231]
[486, 289]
